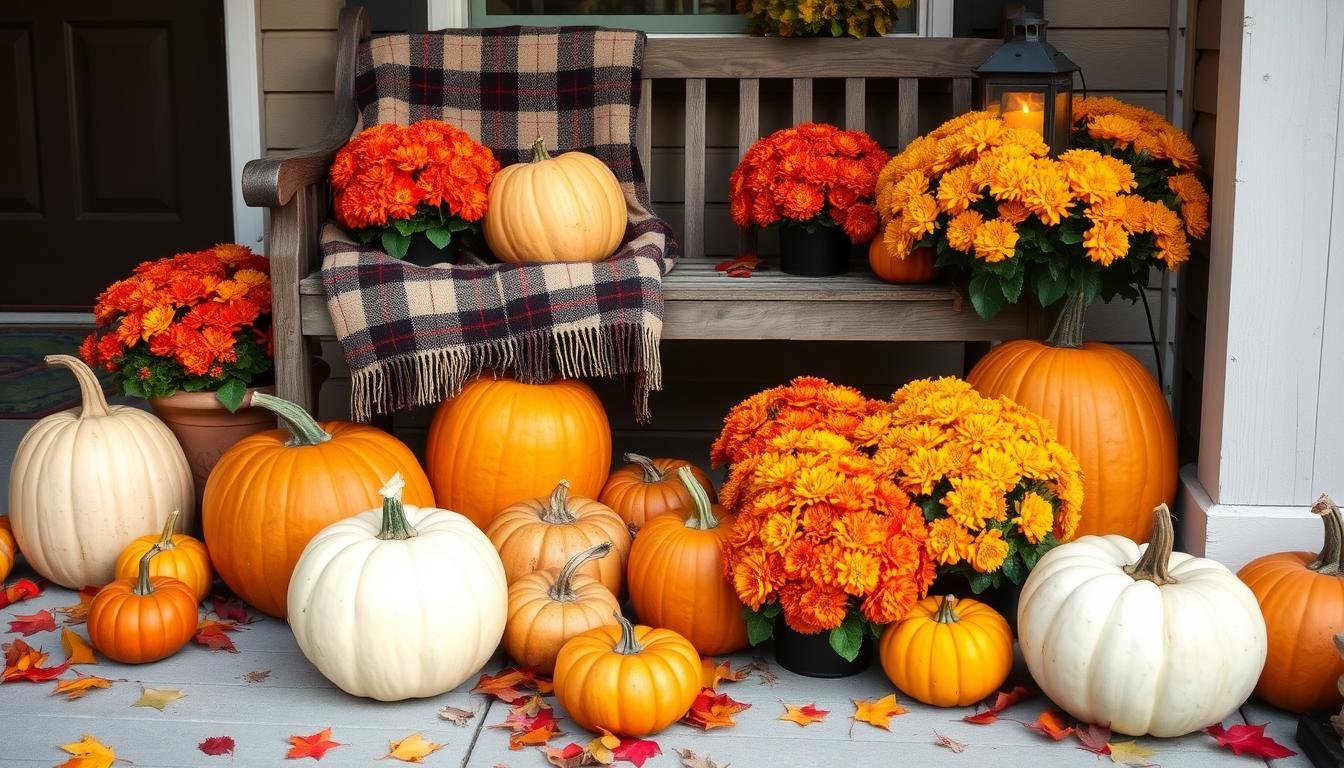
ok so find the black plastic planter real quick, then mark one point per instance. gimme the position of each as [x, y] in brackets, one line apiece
[822, 252]
[813, 656]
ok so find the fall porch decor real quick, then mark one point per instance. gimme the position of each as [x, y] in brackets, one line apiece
[142, 618]
[948, 652]
[550, 605]
[814, 18]
[645, 488]
[180, 556]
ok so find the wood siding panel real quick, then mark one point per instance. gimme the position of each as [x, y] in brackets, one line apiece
[1204, 95]
[300, 14]
[295, 120]
[1063, 14]
[1208, 25]
[1117, 59]
[298, 61]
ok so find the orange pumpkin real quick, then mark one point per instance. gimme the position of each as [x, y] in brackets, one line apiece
[948, 652]
[645, 488]
[1302, 598]
[632, 681]
[915, 268]
[1107, 409]
[180, 556]
[271, 492]
[499, 441]
[142, 619]
[538, 533]
[9, 551]
[676, 574]
[549, 606]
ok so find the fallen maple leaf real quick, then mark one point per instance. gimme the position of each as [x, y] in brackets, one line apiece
[1247, 740]
[77, 686]
[456, 715]
[88, 752]
[31, 624]
[691, 760]
[877, 713]
[79, 612]
[711, 674]
[569, 756]
[636, 751]
[742, 266]
[412, 749]
[1051, 723]
[1130, 753]
[23, 662]
[230, 609]
[23, 589]
[256, 676]
[713, 711]
[313, 745]
[510, 685]
[1001, 702]
[1095, 739]
[940, 740]
[763, 671]
[212, 634]
[536, 736]
[600, 748]
[804, 715]
[158, 698]
[528, 714]
[217, 745]
[77, 649]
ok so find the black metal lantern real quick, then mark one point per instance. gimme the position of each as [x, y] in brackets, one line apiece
[1029, 84]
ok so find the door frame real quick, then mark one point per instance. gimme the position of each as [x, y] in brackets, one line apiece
[241, 36]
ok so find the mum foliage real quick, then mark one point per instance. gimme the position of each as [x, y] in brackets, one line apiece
[808, 18]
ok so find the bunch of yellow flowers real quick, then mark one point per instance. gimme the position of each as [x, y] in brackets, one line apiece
[1003, 215]
[811, 18]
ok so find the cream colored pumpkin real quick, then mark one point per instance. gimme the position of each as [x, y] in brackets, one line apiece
[565, 208]
[399, 603]
[1139, 638]
[86, 482]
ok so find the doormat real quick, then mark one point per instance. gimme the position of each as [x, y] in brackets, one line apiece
[29, 389]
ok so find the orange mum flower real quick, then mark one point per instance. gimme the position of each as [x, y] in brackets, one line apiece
[995, 240]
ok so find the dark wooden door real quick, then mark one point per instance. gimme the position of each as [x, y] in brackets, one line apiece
[114, 142]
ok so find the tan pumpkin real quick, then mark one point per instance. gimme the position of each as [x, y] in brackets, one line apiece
[914, 268]
[180, 556]
[549, 606]
[566, 208]
[539, 533]
[87, 481]
[9, 551]
[645, 488]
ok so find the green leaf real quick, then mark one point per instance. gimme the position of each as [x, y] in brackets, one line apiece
[981, 581]
[457, 225]
[1091, 284]
[759, 627]
[1069, 235]
[1011, 285]
[395, 244]
[230, 394]
[847, 639]
[1013, 569]
[1032, 555]
[405, 227]
[874, 628]
[1049, 286]
[933, 508]
[986, 295]
[439, 236]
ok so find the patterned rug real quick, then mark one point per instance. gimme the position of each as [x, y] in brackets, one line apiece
[28, 388]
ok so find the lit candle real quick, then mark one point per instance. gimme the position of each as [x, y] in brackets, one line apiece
[1021, 115]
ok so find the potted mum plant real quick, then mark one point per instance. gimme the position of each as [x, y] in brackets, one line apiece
[812, 18]
[817, 182]
[418, 190]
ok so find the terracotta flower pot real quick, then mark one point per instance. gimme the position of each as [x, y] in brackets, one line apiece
[206, 429]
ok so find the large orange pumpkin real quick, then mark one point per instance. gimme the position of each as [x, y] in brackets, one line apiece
[915, 268]
[546, 532]
[499, 441]
[548, 607]
[676, 574]
[1107, 409]
[9, 551]
[271, 492]
[645, 488]
[142, 619]
[1302, 598]
[180, 556]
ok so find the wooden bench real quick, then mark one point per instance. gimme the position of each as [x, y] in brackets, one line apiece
[700, 303]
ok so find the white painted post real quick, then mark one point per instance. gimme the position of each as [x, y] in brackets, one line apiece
[244, 86]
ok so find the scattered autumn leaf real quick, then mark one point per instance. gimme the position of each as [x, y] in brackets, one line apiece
[763, 671]
[1130, 753]
[939, 740]
[804, 715]
[526, 715]
[878, 713]
[636, 751]
[456, 715]
[511, 684]
[412, 749]
[1094, 738]
[1247, 740]
[88, 752]
[710, 710]
[77, 686]
[1001, 702]
[313, 745]
[256, 676]
[23, 662]
[742, 266]
[690, 759]
[231, 609]
[32, 623]
[157, 698]
[213, 634]
[600, 748]
[20, 590]
[536, 736]
[217, 745]
[569, 756]
[711, 673]
[1051, 723]
[77, 649]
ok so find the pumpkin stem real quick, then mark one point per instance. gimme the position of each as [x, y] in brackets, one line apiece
[142, 585]
[627, 645]
[1068, 330]
[166, 538]
[92, 401]
[395, 525]
[539, 152]
[303, 430]
[557, 511]
[1328, 562]
[704, 518]
[563, 588]
[1152, 566]
[947, 610]
[652, 474]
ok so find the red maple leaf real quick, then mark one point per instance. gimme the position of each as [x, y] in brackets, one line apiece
[1001, 702]
[742, 266]
[23, 589]
[314, 745]
[42, 621]
[217, 745]
[636, 751]
[1249, 740]
[713, 711]
[510, 685]
[231, 610]
[1094, 738]
[211, 633]
[1051, 723]
[24, 662]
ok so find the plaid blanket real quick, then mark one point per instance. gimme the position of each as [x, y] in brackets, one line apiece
[414, 335]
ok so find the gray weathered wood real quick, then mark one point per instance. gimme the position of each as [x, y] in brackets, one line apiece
[855, 103]
[644, 130]
[802, 100]
[290, 246]
[962, 94]
[907, 110]
[748, 131]
[693, 236]
[735, 57]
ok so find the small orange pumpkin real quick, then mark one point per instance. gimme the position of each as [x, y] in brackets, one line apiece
[915, 268]
[549, 606]
[1302, 598]
[948, 652]
[180, 556]
[645, 488]
[533, 534]
[143, 619]
[632, 681]
[9, 551]
[676, 574]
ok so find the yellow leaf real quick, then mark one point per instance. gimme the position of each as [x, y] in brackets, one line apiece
[805, 715]
[877, 713]
[157, 698]
[1130, 753]
[76, 687]
[76, 648]
[601, 747]
[88, 752]
[412, 749]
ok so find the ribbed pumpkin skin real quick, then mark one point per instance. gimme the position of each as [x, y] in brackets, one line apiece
[265, 500]
[948, 664]
[1109, 411]
[500, 441]
[526, 542]
[629, 695]
[637, 500]
[915, 268]
[186, 560]
[1303, 610]
[9, 551]
[138, 629]
[538, 625]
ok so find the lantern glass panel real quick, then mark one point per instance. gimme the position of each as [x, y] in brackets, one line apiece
[1063, 116]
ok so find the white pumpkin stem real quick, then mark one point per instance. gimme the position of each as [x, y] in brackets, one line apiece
[142, 585]
[166, 538]
[704, 518]
[395, 524]
[627, 645]
[1068, 330]
[557, 509]
[539, 153]
[1328, 562]
[93, 403]
[947, 610]
[1153, 565]
[303, 428]
[652, 474]
[563, 589]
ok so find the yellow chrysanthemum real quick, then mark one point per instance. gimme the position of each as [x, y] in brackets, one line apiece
[998, 468]
[973, 502]
[1013, 212]
[1046, 193]
[857, 572]
[779, 531]
[923, 469]
[1009, 178]
[1174, 250]
[1035, 517]
[976, 137]
[988, 551]
[956, 190]
[1114, 128]
[1105, 242]
[949, 542]
[996, 240]
[921, 215]
[962, 228]
[897, 239]
[1116, 210]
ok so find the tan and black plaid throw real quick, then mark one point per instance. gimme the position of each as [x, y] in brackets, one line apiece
[414, 335]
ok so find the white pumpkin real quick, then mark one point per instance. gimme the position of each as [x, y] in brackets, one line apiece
[1139, 638]
[87, 481]
[399, 603]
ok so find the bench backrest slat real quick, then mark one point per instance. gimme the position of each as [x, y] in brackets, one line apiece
[693, 230]
[907, 110]
[802, 100]
[856, 105]
[748, 131]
